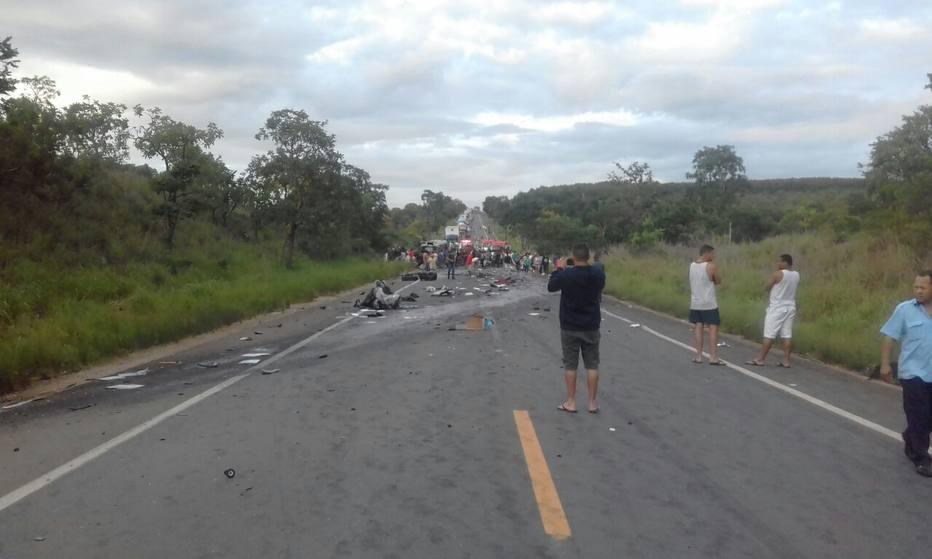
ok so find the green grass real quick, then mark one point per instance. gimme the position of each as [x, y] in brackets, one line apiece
[846, 293]
[55, 318]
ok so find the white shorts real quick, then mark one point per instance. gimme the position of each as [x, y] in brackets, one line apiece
[779, 323]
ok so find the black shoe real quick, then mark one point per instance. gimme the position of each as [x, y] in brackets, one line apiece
[909, 452]
[924, 469]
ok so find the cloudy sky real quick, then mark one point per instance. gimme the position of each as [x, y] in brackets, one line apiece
[491, 97]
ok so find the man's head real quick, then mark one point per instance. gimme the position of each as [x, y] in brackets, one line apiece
[707, 253]
[570, 263]
[785, 262]
[581, 254]
[922, 287]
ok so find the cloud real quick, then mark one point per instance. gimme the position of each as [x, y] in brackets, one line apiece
[475, 97]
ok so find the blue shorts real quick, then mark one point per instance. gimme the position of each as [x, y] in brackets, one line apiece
[705, 317]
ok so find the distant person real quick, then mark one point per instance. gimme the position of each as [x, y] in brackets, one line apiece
[580, 318]
[451, 266]
[703, 305]
[911, 326]
[781, 312]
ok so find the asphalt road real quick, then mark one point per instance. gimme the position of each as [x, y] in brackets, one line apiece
[397, 437]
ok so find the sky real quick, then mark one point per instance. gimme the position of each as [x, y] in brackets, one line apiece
[479, 98]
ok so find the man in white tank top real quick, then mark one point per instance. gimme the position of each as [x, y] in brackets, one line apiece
[703, 304]
[781, 312]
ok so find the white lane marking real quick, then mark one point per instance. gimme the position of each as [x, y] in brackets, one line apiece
[125, 386]
[17, 404]
[48, 478]
[792, 391]
[417, 281]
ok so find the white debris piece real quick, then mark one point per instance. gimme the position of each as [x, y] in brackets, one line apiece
[121, 376]
[260, 354]
[635, 325]
[249, 361]
[125, 386]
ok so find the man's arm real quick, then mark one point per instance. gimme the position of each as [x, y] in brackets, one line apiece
[712, 270]
[776, 278]
[555, 283]
[886, 371]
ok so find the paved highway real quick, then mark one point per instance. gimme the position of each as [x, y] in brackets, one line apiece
[397, 437]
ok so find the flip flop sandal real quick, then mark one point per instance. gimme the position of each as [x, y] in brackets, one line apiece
[562, 407]
[718, 363]
[754, 362]
[594, 411]
[783, 366]
[697, 361]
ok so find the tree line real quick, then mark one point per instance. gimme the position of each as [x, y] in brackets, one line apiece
[894, 197]
[67, 186]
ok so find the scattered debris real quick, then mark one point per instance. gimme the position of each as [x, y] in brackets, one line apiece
[125, 386]
[794, 385]
[211, 365]
[270, 371]
[322, 356]
[249, 361]
[38, 539]
[323, 307]
[379, 297]
[259, 354]
[245, 339]
[84, 407]
[230, 473]
[723, 344]
[611, 429]
[475, 323]
[121, 376]
[533, 314]
[258, 333]
[16, 449]
[244, 491]
[634, 325]
[169, 362]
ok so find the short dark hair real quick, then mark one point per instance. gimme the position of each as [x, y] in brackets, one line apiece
[787, 258]
[570, 262]
[705, 249]
[581, 252]
[924, 273]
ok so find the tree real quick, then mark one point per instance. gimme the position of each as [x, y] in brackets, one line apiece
[8, 62]
[496, 206]
[170, 140]
[42, 89]
[635, 173]
[439, 209]
[899, 178]
[181, 147]
[300, 171]
[719, 166]
[97, 130]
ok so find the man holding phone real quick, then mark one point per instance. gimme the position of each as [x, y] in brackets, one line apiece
[580, 290]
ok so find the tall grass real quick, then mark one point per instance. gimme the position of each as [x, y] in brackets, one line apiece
[847, 290]
[55, 318]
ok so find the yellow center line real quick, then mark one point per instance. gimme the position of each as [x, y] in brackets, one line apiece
[548, 501]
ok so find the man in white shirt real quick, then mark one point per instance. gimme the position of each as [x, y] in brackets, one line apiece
[703, 304]
[781, 312]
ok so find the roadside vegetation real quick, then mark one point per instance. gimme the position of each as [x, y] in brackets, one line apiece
[100, 256]
[857, 241]
[846, 293]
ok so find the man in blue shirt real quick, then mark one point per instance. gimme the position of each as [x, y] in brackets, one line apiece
[911, 326]
[580, 290]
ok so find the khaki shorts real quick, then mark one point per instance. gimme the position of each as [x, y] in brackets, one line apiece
[573, 342]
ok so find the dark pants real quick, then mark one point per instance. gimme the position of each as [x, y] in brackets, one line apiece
[451, 270]
[917, 403]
